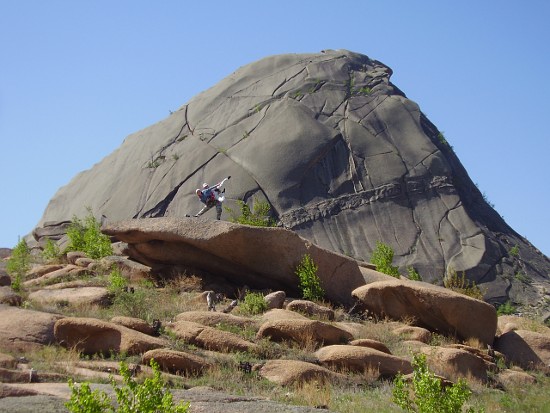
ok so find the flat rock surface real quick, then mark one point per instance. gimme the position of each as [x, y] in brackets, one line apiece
[53, 396]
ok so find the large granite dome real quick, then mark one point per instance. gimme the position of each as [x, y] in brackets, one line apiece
[342, 156]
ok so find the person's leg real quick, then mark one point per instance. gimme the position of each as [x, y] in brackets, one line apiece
[203, 210]
[218, 210]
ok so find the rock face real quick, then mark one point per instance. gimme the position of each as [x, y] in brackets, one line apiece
[239, 253]
[339, 152]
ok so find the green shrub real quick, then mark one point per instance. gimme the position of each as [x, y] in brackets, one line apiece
[19, 264]
[382, 257]
[310, 284]
[85, 235]
[253, 303]
[413, 274]
[425, 394]
[151, 396]
[514, 251]
[258, 217]
[51, 252]
[506, 309]
[460, 284]
[117, 282]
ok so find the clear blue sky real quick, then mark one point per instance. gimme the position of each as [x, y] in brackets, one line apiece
[77, 77]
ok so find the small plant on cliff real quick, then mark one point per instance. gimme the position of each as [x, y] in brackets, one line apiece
[258, 217]
[18, 264]
[506, 309]
[413, 275]
[461, 284]
[382, 257]
[426, 394]
[151, 396]
[310, 284]
[85, 235]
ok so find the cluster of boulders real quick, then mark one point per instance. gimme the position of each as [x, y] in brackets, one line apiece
[415, 313]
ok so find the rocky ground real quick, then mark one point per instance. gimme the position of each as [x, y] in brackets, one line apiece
[68, 320]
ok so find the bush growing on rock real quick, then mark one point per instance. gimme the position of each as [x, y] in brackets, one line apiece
[254, 303]
[309, 280]
[426, 394]
[18, 264]
[382, 257]
[85, 235]
[150, 396]
[258, 217]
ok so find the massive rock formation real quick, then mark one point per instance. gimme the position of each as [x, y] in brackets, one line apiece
[342, 156]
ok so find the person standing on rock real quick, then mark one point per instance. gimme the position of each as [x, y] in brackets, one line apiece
[211, 196]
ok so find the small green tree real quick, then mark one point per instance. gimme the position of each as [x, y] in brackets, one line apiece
[151, 396]
[426, 394]
[86, 236]
[258, 217]
[310, 284]
[413, 274]
[254, 303]
[51, 252]
[19, 264]
[382, 257]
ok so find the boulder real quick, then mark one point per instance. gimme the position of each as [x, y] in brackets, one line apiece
[176, 362]
[131, 269]
[40, 270]
[362, 359]
[84, 262]
[134, 323]
[454, 363]
[527, 349]
[23, 330]
[5, 279]
[367, 342]
[210, 338]
[275, 299]
[73, 256]
[513, 378]
[512, 322]
[93, 336]
[9, 297]
[277, 314]
[214, 318]
[304, 332]
[68, 271]
[414, 333]
[287, 372]
[311, 309]
[71, 296]
[435, 308]
[241, 253]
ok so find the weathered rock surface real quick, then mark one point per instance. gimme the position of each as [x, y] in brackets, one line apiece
[67, 271]
[275, 299]
[132, 270]
[414, 333]
[311, 309]
[177, 362]
[9, 297]
[242, 254]
[286, 372]
[134, 323]
[91, 336]
[362, 359]
[367, 342]
[23, 330]
[210, 338]
[524, 348]
[71, 296]
[304, 332]
[435, 308]
[338, 151]
[454, 363]
[50, 398]
[212, 319]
